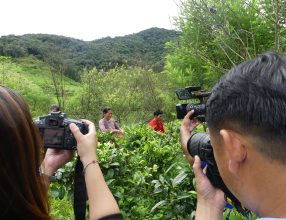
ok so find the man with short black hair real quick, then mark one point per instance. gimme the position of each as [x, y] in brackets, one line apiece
[247, 125]
[54, 108]
[157, 122]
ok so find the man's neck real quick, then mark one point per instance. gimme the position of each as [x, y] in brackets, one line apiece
[268, 190]
[274, 199]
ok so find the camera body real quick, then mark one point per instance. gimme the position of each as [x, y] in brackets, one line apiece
[192, 92]
[55, 132]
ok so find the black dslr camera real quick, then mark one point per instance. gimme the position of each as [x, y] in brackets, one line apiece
[55, 131]
[199, 143]
[192, 92]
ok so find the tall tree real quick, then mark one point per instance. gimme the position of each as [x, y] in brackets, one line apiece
[219, 34]
[133, 93]
[57, 70]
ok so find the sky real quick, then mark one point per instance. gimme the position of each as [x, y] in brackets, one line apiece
[85, 19]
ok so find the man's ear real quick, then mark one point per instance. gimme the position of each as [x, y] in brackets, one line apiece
[235, 149]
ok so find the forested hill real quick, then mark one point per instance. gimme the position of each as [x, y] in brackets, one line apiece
[145, 49]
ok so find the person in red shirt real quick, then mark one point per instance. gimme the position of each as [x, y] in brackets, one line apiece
[157, 122]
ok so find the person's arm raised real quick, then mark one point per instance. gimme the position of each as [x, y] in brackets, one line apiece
[187, 127]
[210, 200]
[101, 201]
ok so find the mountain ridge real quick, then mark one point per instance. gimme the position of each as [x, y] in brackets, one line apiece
[145, 49]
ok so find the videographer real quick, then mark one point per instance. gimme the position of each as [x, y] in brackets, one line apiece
[23, 188]
[247, 126]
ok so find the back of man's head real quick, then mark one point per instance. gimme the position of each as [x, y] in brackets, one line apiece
[251, 99]
[55, 108]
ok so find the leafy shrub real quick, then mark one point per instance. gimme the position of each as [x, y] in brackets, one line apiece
[146, 172]
[62, 209]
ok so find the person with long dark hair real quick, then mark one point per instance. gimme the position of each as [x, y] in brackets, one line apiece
[24, 168]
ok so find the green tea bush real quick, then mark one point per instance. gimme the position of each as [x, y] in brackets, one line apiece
[148, 174]
[62, 209]
[146, 171]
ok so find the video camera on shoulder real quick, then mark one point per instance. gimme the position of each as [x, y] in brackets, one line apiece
[55, 131]
[192, 92]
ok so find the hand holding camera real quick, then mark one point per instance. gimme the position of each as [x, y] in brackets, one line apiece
[54, 159]
[55, 131]
[61, 135]
[207, 194]
[86, 143]
[187, 127]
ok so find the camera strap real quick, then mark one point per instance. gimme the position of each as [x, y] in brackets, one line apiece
[80, 193]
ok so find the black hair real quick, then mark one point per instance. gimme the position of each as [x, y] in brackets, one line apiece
[251, 98]
[105, 110]
[158, 112]
[55, 108]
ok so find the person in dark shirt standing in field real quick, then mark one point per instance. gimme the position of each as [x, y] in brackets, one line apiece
[157, 122]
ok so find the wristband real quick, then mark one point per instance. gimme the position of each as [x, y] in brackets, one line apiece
[92, 162]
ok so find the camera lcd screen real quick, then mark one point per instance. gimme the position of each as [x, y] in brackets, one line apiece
[53, 137]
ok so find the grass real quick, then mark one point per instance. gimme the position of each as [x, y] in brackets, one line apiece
[32, 78]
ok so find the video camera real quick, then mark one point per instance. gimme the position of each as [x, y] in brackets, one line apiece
[199, 143]
[55, 131]
[192, 92]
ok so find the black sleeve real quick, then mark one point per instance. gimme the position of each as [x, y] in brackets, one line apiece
[112, 217]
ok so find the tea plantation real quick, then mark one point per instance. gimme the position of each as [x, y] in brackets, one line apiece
[147, 173]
